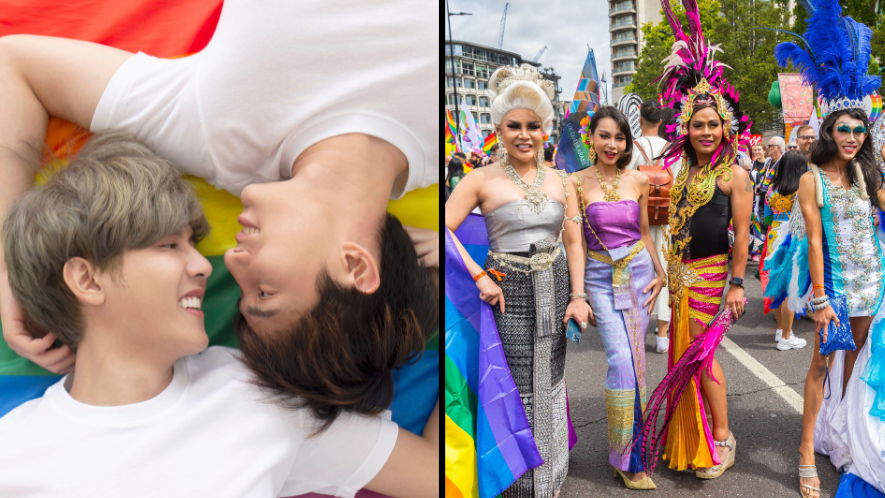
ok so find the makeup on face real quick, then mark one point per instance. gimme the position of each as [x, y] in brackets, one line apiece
[609, 141]
[522, 134]
[844, 128]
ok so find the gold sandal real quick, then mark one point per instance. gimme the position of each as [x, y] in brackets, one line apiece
[807, 472]
[717, 470]
[644, 483]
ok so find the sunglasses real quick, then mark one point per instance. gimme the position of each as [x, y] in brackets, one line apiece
[859, 129]
[792, 147]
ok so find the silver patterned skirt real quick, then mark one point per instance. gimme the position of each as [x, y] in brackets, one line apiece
[534, 302]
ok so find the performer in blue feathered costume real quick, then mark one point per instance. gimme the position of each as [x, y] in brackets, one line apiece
[832, 262]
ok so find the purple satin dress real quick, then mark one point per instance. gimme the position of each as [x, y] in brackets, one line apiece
[622, 322]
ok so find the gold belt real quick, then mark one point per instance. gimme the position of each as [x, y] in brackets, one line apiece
[620, 271]
[539, 261]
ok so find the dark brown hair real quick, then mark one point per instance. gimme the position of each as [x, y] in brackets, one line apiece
[608, 111]
[339, 356]
[824, 149]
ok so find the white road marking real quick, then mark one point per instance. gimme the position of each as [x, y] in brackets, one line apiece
[790, 396]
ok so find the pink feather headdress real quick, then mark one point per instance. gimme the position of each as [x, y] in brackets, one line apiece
[692, 76]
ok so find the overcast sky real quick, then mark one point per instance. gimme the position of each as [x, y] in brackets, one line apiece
[565, 26]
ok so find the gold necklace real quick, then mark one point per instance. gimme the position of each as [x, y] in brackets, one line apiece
[535, 196]
[700, 191]
[609, 195]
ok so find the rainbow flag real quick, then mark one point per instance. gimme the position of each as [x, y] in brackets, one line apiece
[451, 133]
[171, 29]
[488, 143]
[488, 440]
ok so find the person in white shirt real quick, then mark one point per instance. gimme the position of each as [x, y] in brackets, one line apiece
[315, 114]
[104, 254]
[650, 120]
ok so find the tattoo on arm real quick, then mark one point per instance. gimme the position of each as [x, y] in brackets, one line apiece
[748, 185]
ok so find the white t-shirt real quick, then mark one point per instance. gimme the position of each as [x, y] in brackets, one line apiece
[652, 145]
[281, 75]
[208, 434]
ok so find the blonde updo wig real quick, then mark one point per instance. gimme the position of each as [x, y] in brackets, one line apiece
[521, 87]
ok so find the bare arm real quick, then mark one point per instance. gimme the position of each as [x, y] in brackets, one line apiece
[814, 234]
[42, 76]
[413, 467]
[645, 235]
[463, 200]
[740, 193]
[575, 255]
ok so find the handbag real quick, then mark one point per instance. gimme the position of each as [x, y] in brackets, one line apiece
[660, 179]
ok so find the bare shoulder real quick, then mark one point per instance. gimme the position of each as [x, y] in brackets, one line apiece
[639, 178]
[739, 174]
[806, 181]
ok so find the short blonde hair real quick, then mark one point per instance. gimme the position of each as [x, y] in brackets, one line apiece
[115, 195]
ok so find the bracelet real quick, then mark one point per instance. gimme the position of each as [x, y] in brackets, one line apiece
[818, 307]
[813, 287]
[577, 295]
[480, 275]
[819, 300]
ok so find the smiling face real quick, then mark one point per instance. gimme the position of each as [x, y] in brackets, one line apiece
[521, 133]
[705, 133]
[279, 255]
[156, 295]
[758, 153]
[849, 134]
[609, 141]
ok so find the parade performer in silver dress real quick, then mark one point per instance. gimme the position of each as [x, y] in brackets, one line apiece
[833, 262]
[525, 276]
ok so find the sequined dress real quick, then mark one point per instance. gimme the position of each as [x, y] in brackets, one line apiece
[850, 426]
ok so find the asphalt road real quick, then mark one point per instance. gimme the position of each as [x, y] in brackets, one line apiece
[766, 427]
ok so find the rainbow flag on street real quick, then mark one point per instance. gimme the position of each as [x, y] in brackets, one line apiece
[488, 143]
[488, 440]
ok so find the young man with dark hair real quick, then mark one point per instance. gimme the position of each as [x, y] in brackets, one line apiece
[104, 254]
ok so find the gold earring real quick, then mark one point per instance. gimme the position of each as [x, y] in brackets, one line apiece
[591, 153]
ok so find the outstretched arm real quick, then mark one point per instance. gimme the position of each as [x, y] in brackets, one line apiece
[40, 77]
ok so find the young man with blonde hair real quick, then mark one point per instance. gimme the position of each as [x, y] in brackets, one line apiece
[103, 254]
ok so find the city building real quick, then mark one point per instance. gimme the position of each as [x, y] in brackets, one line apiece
[625, 19]
[468, 72]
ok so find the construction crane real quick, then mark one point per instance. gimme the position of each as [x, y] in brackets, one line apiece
[538, 57]
[503, 20]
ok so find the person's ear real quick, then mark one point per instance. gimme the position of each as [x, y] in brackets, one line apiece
[361, 268]
[81, 277]
[641, 122]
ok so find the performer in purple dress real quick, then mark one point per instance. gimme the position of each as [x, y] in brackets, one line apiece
[623, 277]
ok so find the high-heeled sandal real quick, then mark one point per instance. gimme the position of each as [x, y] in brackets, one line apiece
[807, 472]
[644, 483]
[717, 470]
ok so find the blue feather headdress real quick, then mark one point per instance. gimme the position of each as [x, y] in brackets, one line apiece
[834, 56]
